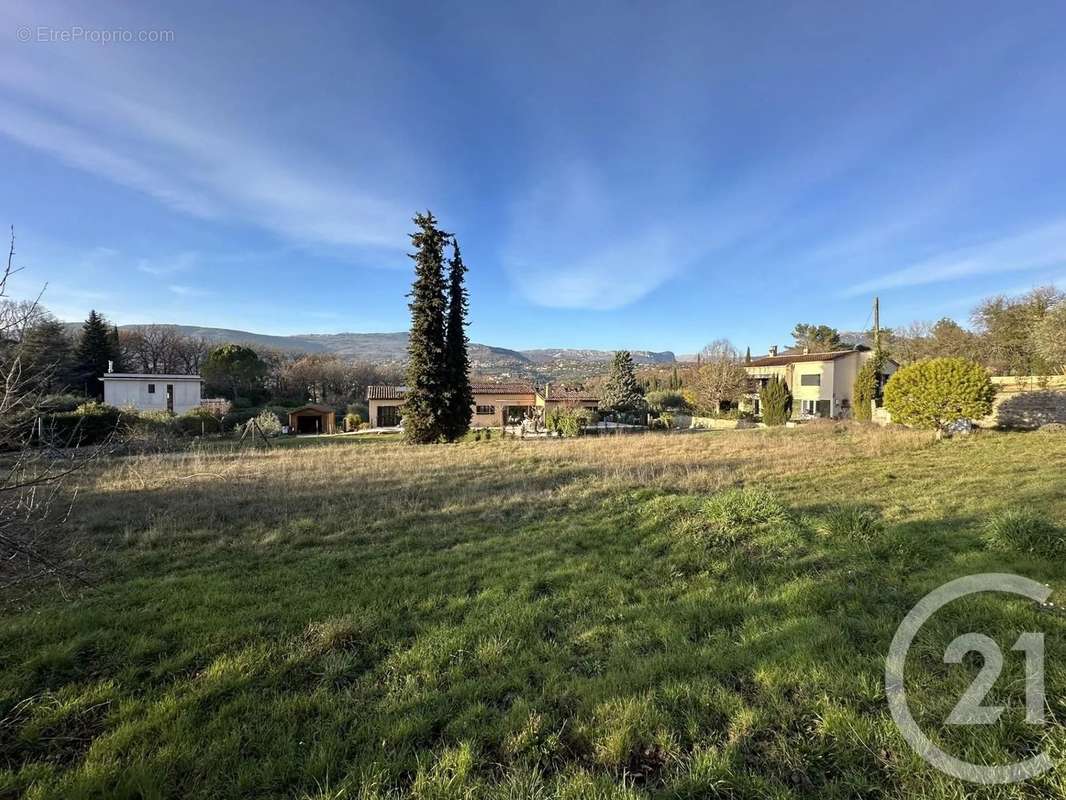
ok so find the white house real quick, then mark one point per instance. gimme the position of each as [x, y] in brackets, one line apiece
[176, 393]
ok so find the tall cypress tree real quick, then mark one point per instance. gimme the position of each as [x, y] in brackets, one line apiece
[460, 395]
[425, 410]
[94, 351]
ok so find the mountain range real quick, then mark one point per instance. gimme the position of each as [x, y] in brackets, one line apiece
[391, 348]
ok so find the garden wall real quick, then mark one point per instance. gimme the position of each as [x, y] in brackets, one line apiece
[1027, 402]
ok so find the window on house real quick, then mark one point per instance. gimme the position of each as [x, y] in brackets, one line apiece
[151, 388]
[810, 380]
[486, 409]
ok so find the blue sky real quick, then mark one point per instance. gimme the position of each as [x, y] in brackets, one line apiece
[619, 174]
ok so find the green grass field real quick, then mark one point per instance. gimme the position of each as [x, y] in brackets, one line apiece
[601, 618]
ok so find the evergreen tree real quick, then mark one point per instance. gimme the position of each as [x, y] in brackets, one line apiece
[47, 358]
[426, 406]
[747, 356]
[775, 402]
[817, 338]
[95, 349]
[235, 370]
[621, 391]
[865, 391]
[460, 395]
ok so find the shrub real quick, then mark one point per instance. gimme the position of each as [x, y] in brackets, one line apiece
[1025, 531]
[776, 402]
[551, 419]
[198, 421]
[938, 391]
[57, 403]
[572, 421]
[568, 421]
[666, 400]
[90, 423]
[352, 421]
[742, 507]
[865, 391]
[851, 522]
[151, 431]
[267, 421]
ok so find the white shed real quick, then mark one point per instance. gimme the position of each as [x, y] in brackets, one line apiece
[177, 393]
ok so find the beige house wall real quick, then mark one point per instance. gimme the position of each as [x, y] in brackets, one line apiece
[494, 419]
[546, 405]
[499, 403]
[837, 380]
[374, 405]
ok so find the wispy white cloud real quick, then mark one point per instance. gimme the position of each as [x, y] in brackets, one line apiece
[188, 291]
[119, 120]
[1037, 248]
[168, 266]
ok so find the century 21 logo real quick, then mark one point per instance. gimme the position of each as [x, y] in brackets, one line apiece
[969, 709]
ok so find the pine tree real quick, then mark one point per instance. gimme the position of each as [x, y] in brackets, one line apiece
[426, 407]
[621, 391]
[747, 356]
[95, 349]
[460, 395]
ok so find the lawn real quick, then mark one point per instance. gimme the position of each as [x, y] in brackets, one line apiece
[598, 618]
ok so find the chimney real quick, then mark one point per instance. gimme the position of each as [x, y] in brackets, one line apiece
[110, 367]
[547, 391]
[806, 350]
[773, 350]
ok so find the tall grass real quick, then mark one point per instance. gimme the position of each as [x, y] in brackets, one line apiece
[618, 617]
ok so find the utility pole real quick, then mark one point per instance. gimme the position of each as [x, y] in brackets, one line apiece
[877, 324]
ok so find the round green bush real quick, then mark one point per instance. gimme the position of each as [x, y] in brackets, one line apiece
[937, 391]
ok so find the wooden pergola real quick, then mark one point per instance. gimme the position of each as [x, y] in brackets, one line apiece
[312, 418]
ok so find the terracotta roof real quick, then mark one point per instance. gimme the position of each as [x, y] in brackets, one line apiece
[385, 392]
[565, 393]
[796, 358]
[501, 388]
[398, 392]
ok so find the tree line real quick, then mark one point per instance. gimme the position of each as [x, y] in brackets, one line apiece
[55, 360]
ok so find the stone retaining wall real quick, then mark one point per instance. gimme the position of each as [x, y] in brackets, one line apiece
[1027, 402]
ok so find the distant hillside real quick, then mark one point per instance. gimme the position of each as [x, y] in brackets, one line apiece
[391, 348]
[639, 356]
